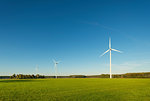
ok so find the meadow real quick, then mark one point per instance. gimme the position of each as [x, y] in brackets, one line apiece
[83, 89]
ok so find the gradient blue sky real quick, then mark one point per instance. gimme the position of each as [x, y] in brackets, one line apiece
[76, 32]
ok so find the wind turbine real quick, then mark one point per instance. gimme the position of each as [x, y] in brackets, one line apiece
[109, 50]
[55, 66]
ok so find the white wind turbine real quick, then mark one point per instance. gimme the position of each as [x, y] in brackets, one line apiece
[109, 50]
[55, 67]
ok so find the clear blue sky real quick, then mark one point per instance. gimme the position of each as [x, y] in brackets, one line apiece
[76, 32]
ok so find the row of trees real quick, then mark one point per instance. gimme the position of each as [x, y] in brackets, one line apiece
[127, 75]
[77, 76]
[21, 76]
[137, 75]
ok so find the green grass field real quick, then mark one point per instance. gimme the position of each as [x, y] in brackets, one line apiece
[75, 90]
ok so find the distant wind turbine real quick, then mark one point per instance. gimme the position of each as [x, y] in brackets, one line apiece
[109, 50]
[55, 67]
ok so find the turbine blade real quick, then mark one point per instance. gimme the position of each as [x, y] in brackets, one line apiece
[109, 42]
[116, 50]
[54, 61]
[105, 52]
[58, 61]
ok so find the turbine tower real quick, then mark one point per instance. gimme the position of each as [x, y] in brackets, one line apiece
[55, 67]
[109, 50]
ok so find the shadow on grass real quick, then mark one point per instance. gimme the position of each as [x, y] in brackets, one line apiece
[17, 81]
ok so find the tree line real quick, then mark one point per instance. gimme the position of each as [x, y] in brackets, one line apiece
[21, 76]
[126, 75]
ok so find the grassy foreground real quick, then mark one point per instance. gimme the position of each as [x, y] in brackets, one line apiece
[75, 90]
